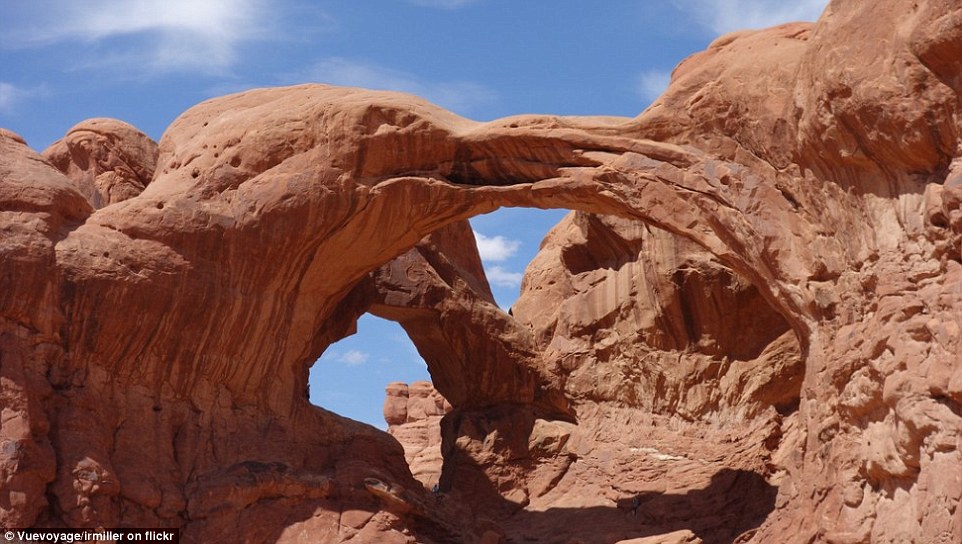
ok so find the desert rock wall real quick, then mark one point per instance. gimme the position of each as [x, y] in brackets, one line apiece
[754, 310]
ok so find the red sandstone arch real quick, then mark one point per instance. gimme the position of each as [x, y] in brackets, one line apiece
[809, 160]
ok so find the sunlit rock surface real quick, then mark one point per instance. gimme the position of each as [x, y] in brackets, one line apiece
[747, 330]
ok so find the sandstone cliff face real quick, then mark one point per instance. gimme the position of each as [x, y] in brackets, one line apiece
[748, 330]
[623, 292]
[413, 414]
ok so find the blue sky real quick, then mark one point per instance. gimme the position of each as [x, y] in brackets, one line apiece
[146, 61]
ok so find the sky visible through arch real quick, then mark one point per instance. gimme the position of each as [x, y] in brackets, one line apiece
[146, 61]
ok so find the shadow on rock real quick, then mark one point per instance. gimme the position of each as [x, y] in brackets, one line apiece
[734, 503]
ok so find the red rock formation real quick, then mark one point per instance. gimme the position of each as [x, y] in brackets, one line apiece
[621, 292]
[108, 160]
[413, 414]
[749, 331]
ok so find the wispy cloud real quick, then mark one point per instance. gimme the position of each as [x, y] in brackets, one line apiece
[443, 4]
[167, 35]
[495, 248]
[503, 278]
[460, 96]
[354, 357]
[652, 83]
[498, 249]
[9, 94]
[723, 16]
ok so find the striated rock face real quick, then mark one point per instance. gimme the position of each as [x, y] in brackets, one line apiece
[621, 292]
[748, 329]
[413, 414]
[107, 160]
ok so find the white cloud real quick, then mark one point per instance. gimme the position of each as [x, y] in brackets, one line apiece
[503, 278]
[723, 16]
[443, 4]
[8, 96]
[495, 248]
[454, 95]
[171, 35]
[354, 357]
[652, 83]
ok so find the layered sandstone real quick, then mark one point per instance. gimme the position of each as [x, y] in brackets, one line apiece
[748, 330]
[413, 414]
[107, 160]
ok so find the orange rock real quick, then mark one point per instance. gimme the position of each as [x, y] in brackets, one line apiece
[419, 431]
[108, 160]
[748, 331]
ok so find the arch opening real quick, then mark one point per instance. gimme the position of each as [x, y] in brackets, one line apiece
[350, 377]
[616, 318]
[655, 322]
[615, 290]
[508, 241]
[407, 302]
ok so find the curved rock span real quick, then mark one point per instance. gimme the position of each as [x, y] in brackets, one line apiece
[747, 330]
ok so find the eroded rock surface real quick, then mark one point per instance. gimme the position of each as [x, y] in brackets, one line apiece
[413, 414]
[748, 330]
[106, 159]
